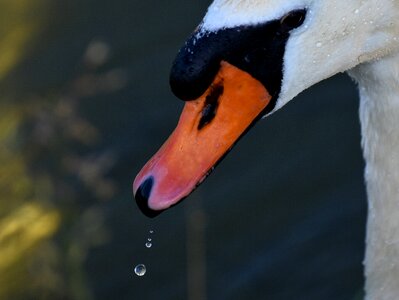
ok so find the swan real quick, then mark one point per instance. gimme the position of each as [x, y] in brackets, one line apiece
[246, 60]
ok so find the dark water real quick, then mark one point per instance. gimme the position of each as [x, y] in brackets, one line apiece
[282, 217]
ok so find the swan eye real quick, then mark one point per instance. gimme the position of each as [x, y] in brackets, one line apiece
[293, 20]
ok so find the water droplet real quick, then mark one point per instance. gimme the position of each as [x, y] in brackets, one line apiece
[149, 239]
[356, 11]
[151, 231]
[319, 44]
[148, 244]
[140, 270]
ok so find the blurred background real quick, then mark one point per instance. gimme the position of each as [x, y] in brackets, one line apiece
[85, 101]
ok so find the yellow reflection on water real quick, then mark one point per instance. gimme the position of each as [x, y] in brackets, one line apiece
[20, 22]
[45, 232]
[25, 222]
[22, 229]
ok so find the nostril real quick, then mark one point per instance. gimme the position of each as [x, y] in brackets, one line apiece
[142, 195]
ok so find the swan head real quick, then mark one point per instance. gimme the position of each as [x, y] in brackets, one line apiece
[247, 59]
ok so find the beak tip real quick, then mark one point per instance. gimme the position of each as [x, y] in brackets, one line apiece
[142, 195]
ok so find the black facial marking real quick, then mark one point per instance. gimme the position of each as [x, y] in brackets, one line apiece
[211, 105]
[257, 50]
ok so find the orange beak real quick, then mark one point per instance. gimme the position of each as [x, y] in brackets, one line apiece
[208, 128]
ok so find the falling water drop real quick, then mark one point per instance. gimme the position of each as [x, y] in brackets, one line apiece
[151, 231]
[140, 270]
[148, 244]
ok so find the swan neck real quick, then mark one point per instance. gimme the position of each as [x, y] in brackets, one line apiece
[379, 115]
